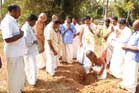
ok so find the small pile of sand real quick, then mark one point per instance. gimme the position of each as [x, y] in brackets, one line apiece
[72, 71]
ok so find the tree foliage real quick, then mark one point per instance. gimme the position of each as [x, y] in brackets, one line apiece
[61, 8]
[94, 8]
[127, 9]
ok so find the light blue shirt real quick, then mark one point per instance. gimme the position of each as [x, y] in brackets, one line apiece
[67, 37]
[134, 41]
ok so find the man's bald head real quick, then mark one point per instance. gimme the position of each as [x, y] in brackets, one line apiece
[42, 17]
[136, 25]
[54, 17]
[90, 53]
[91, 56]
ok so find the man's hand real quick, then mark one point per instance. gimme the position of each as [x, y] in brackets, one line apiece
[112, 29]
[55, 53]
[96, 73]
[35, 42]
[90, 29]
[124, 47]
[21, 33]
[68, 27]
[118, 33]
[81, 44]
[74, 35]
[71, 30]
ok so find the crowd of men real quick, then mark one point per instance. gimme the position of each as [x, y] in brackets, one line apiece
[37, 45]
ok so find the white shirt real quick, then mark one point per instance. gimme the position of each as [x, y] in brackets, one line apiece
[50, 34]
[94, 25]
[10, 28]
[112, 37]
[77, 27]
[88, 36]
[30, 37]
[125, 34]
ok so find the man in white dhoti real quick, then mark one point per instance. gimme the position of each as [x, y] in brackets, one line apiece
[14, 49]
[111, 39]
[131, 62]
[76, 40]
[117, 60]
[104, 35]
[31, 44]
[54, 18]
[39, 31]
[68, 30]
[81, 28]
[86, 42]
[52, 49]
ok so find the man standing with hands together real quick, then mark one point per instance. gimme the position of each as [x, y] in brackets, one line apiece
[68, 31]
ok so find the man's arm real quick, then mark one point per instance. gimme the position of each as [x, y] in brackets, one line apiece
[132, 48]
[38, 28]
[81, 35]
[108, 33]
[71, 30]
[66, 30]
[51, 47]
[102, 67]
[15, 37]
[91, 30]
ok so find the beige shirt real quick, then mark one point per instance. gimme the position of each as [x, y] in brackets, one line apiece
[55, 37]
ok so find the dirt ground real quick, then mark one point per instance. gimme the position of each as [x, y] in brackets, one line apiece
[68, 79]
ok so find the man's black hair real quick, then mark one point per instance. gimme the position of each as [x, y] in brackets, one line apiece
[75, 17]
[57, 22]
[87, 17]
[107, 20]
[12, 7]
[32, 17]
[122, 21]
[68, 17]
[115, 18]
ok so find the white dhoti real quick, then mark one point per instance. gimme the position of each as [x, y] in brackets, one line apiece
[41, 60]
[52, 63]
[16, 74]
[117, 61]
[30, 69]
[67, 54]
[130, 76]
[76, 44]
[109, 54]
[80, 55]
[104, 73]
